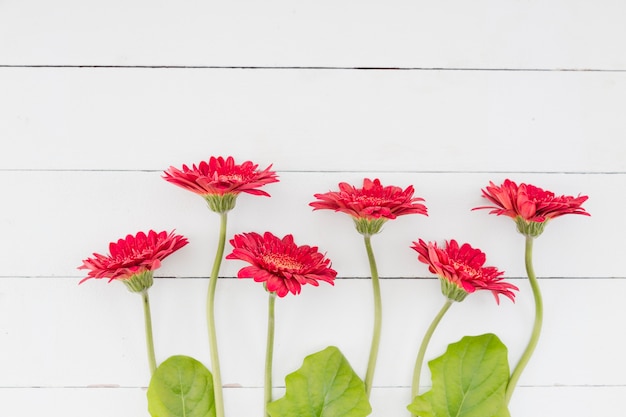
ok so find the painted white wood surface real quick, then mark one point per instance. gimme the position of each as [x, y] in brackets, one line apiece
[314, 120]
[98, 98]
[104, 402]
[93, 335]
[553, 34]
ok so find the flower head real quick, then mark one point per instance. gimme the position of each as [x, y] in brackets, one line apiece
[134, 258]
[282, 265]
[372, 205]
[461, 270]
[220, 180]
[531, 207]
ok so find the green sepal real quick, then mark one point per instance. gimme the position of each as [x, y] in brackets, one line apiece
[324, 386]
[181, 387]
[221, 203]
[452, 291]
[139, 282]
[529, 228]
[368, 227]
[469, 380]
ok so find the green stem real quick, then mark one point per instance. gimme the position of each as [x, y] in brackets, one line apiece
[269, 351]
[534, 337]
[148, 324]
[371, 364]
[422, 351]
[210, 314]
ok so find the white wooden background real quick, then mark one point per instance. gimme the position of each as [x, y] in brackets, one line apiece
[98, 98]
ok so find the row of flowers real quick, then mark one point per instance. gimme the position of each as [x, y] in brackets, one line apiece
[284, 267]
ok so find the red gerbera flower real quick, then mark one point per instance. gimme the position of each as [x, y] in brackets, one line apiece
[221, 179]
[133, 256]
[461, 270]
[282, 265]
[373, 204]
[527, 204]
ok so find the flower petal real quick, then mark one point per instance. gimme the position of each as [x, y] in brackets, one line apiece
[280, 263]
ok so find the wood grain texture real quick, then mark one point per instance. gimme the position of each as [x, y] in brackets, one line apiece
[130, 402]
[314, 120]
[555, 34]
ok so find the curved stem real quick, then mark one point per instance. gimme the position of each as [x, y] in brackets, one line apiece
[210, 314]
[422, 351]
[269, 351]
[371, 364]
[534, 337]
[148, 325]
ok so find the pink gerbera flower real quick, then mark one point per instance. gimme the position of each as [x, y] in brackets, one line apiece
[461, 270]
[282, 265]
[220, 180]
[133, 257]
[371, 205]
[531, 207]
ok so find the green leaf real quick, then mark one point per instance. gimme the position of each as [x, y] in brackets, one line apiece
[181, 387]
[469, 380]
[324, 386]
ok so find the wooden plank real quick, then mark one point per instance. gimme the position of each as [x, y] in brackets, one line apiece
[131, 402]
[401, 33]
[306, 120]
[93, 208]
[56, 333]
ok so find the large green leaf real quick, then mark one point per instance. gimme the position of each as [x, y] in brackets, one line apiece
[181, 387]
[324, 386]
[469, 380]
